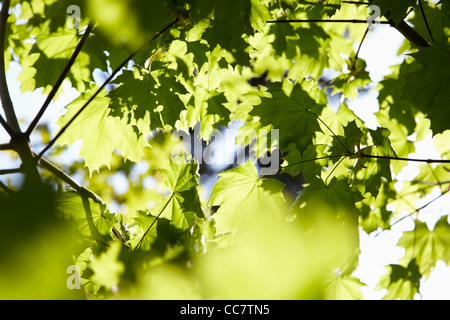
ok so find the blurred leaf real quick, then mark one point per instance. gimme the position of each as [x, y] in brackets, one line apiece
[107, 268]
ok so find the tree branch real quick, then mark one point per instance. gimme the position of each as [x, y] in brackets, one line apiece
[5, 97]
[364, 155]
[60, 80]
[9, 171]
[6, 146]
[67, 179]
[315, 159]
[154, 221]
[425, 20]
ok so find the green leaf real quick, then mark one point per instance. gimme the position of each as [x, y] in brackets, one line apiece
[183, 205]
[427, 88]
[374, 212]
[343, 287]
[209, 109]
[292, 110]
[347, 143]
[181, 174]
[239, 191]
[402, 283]
[427, 246]
[101, 133]
[337, 194]
[371, 171]
[146, 100]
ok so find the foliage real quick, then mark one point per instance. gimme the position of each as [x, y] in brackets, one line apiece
[145, 222]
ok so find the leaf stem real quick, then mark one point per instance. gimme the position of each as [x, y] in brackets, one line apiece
[154, 221]
[334, 168]
[425, 20]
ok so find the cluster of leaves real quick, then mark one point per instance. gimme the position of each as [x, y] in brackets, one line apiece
[155, 230]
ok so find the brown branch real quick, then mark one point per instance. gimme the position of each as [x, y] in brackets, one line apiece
[6, 126]
[5, 97]
[67, 179]
[9, 171]
[6, 146]
[364, 155]
[84, 192]
[324, 21]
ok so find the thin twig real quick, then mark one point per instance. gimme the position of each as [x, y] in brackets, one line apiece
[426, 21]
[311, 160]
[415, 211]
[324, 21]
[63, 129]
[406, 159]
[60, 80]
[6, 146]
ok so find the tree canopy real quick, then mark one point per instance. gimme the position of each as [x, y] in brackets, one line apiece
[277, 214]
